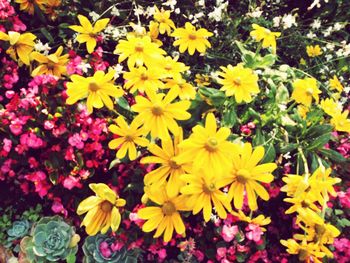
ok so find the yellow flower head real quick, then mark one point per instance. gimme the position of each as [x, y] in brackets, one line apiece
[141, 79]
[53, 64]
[102, 210]
[260, 220]
[88, 33]
[21, 45]
[330, 107]
[305, 251]
[191, 39]
[246, 173]
[305, 90]
[98, 90]
[335, 84]
[158, 114]
[240, 82]
[203, 190]
[303, 201]
[163, 18]
[168, 167]
[164, 217]
[130, 136]
[313, 51]
[153, 33]
[28, 5]
[184, 90]
[138, 51]
[208, 147]
[341, 122]
[172, 68]
[267, 37]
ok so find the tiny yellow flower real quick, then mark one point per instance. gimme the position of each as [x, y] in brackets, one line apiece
[341, 122]
[191, 39]
[21, 45]
[239, 82]
[53, 64]
[305, 90]
[335, 84]
[88, 33]
[313, 51]
[97, 89]
[163, 18]
[267, 37]
[130, 136]
[260, 220]
[102, 210]
[202, 80]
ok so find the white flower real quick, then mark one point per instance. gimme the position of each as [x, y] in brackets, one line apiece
[39, 47]
[94, 15]
[150, 11]
[84, 67]
[288, 21]
[311, 35]
[316, 24]
[328, 31]
[118, 70]
[330, 46]
[177, 11]
[115, 11]
[338, 26]
[276, 21]
[171, 4]
[256, 13]
[138, 11]
[201, 3]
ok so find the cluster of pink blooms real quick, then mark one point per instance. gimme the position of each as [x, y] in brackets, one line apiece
[8, 13]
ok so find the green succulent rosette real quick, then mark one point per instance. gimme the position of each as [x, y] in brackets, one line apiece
[51, 240]
[17, 231]
[93, 253]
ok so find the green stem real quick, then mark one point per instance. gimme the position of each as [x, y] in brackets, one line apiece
[306, 167]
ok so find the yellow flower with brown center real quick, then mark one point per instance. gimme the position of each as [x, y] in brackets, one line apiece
[246, 175]
[172, 68]
[21, 45]
[97, 89]
[307, 252]
[28, 5]
[163, 18]
[102, 210]
[239, 82]
[305, 90]
[208, 146]
[184, 90]
[260, 220]
[141, 79]
[138, 51]
[88, 33]
[191, 39]
[164, 216]
[335, 84]
[158, 113]
[168, 168]
[313, 51]
[53, 64]
[203, 191]
[265, 35]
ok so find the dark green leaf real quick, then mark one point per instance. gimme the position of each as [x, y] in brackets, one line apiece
[47, 34]
[319, 142]
[333, 155]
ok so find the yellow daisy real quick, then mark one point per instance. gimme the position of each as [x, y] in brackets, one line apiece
[330, 107]
[260, 220]
[305, 90]
[98, 90]
[172, 68]
[21, 45]
[191, 39]
[53, 64]
[141, 79]
[164, 217]
[307, 252]
[130, 136]
[335, 84]
[88, 33]
[163, 18]
[102, 210]
[203, 190]
[313, 51]
[239, 81]
[341, 122]
[157, 113]
[184, 90]
[267, 37]
[246, 174]
[208, 147]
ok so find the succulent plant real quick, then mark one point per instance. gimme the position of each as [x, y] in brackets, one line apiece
[51, 240]
[101, 248]
[18, 230]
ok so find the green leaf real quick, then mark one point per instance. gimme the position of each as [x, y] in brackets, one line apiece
[113, 163]
[333, 155]
[288, 148]
[319, 142]
[344, 222]
[215, 96]
[229, 118]
[282, 94]
[47, 34]
[71, 258]
[318, 130]
[123, 103]
[338, 212]
[270, 154]
[259, 138]
[266, 61]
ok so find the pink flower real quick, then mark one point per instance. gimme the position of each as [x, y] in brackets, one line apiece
[31, 140]
[76, 141]
[70, 182]
[221, 253]
[255, 232]
[7, 145]
[228, 233]
[49, 125]
[58, 208]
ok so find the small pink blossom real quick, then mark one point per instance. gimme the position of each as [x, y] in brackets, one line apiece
[228, 233]
[70, 182]
[255, 232]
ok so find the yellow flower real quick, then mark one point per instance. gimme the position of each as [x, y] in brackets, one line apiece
[21, 45]
[239, 81]
[303, 110]
[102, 210]
[28, 5]
[172, 68]
[168, 168]
[202, 80]
[295, 184]
[164, 217]
[305, 251]
[97, 89]
[158, 114]
[89, 33]
[153, 33]
[330, 107]
[163, 18]
[341, 122]
[268, 38]
[208, 147]
[260, 220]
[305, 90]
[303, 201]
[335, 84]
[204, 192]
[184, 90]
[245, 174]
[141, 79]
[313, 51]
[191, 39]
[53, 64]
[130, 136]
[138, 51]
